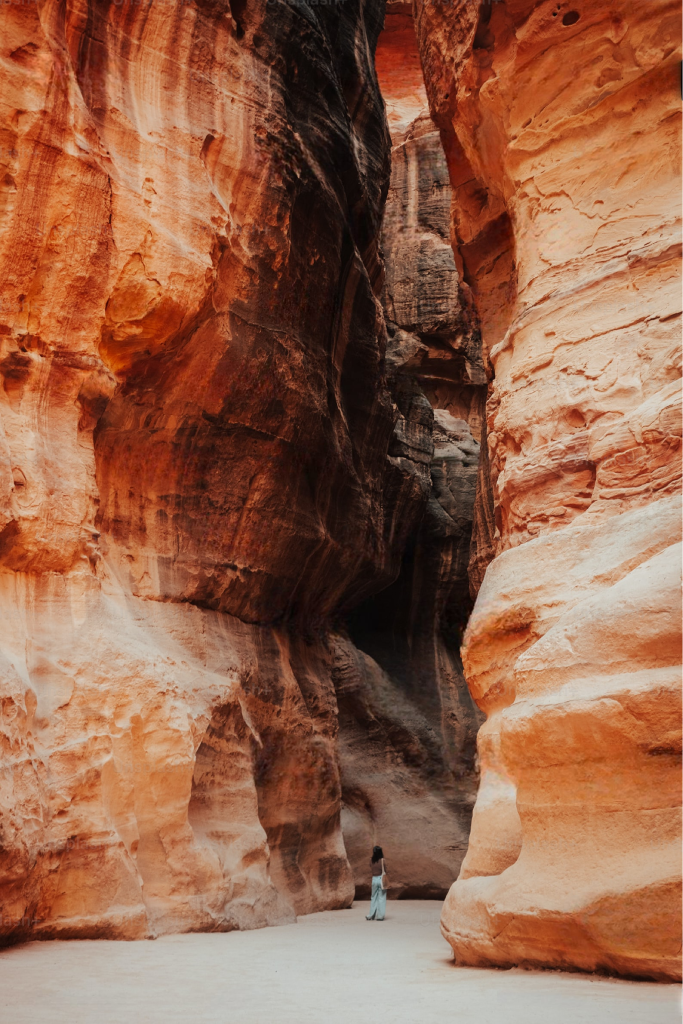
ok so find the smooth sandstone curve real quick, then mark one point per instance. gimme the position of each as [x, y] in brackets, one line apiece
[561, 126]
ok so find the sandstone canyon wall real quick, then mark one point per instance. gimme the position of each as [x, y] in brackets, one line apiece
[561, 126]
[208, 468]
[194, 455]
[407, 721]
[239, 540]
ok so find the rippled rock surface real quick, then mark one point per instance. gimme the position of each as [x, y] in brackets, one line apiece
[561, 130]
[204, 467]
[193, 458]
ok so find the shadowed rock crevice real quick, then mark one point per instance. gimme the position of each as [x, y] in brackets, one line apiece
[407, 721]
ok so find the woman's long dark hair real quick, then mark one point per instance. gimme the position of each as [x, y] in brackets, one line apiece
[377, 854]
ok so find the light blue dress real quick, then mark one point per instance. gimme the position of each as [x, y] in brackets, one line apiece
[378, 902]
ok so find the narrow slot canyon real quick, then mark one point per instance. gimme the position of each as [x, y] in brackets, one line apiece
[407, 721]
[340, 472]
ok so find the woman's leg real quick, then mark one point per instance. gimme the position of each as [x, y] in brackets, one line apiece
[381, 903]
[374, 898]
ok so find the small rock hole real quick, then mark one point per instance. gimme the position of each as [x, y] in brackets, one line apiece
[571, 18]
[206, 146]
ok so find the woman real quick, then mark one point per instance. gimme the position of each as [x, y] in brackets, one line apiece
[378, 903]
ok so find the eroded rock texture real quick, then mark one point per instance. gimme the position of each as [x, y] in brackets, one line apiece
[407, 720]
[560, 123]
[208, 466]
[194, 455]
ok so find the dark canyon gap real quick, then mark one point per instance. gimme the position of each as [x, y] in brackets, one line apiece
[407, 721]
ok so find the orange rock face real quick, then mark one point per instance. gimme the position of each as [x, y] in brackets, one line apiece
[237, 470]
[206, 464]
[561, 129]
[193, 456]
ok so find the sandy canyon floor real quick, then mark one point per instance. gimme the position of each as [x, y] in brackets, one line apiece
[330, 967]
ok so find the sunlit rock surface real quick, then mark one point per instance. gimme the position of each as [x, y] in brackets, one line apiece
[212, 457]
[561, 129]
[195, 428]
[237, 470]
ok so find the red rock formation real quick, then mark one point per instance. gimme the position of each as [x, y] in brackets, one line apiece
[560, 123]
[204, 466]
[194, 448]
[233, 529]
[407, 721]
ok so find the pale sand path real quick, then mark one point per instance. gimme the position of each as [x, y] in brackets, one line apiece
[333, 967]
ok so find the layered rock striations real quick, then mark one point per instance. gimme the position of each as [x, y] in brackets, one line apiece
[407, 721]
[210, 465]
[238, 546]
[561, 128]
[194, 455]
